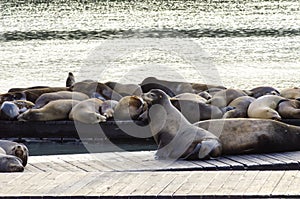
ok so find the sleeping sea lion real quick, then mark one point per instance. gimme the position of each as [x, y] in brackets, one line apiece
[176, 137]
[16, 149]
[290, 93]
[262, 90]
[240, 107]
[125, 89]
[9, 163]
[289, 109]
[191, 97]
[224, 97]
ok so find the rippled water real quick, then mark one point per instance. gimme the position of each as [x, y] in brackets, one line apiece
[250, 43]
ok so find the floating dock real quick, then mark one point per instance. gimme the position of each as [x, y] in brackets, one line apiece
[140, 175]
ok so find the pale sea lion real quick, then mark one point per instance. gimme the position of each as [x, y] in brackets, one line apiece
[245, 135]
[262, 90]
[87, 111]
[265, 107]
[70, 80]
[289, 109]
[96, 90]
[130, 108]
[224, 97]
[290, 93]
[9, 163]
[175, 136]
[16, 149]
[125, 89]
[48, 97]
[55, 110]
[240, 106]
[191, 97]
[196, 111]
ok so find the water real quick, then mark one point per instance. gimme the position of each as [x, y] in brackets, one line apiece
[248, 43]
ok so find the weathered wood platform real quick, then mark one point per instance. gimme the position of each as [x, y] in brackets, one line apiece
[139, 175]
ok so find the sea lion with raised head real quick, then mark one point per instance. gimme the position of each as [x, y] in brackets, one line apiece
[240, 107]
[248, 135]
[48, 97]
[54, 110]
[176, 137]
[88, 111]
[130, 108]
[70, 80]
[16, 149]
[265, 107]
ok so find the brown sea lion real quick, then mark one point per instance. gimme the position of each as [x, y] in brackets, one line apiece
[224, 97]
[130, 108]
[48, 97]
[88, 111]
[16, 149]
[290, 93]
[70, 80]
[28, 88]
[204, 87]
[23, 105]
[96, 89]
[125, 89]
[196, 111]
[176, 137]
[262, 90]
[245, 135]
[9, 163]
[240, 106]
[265, 107]
[289, 109]
[55, 110]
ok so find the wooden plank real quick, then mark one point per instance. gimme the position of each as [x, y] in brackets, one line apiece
[205, 165]
[244, 182]
[233, 164]
[246, 162]
[231, 182]
[293, 188]
[270, 183]
[274, 163]
[219, 164]
[284, 183]
[176, 183]
[216, 184]
[257, 183]
[188, 184]
[160, 184]
[291, 164]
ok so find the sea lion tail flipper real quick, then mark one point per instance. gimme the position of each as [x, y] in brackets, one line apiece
[210, 148]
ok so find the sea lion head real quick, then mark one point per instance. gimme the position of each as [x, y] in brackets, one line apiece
[21, 152]
[9, 163]
[155, 96]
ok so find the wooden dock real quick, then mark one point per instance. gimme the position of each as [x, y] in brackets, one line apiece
[139, 175]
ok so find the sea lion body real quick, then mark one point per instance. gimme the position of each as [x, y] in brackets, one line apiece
[130, 108]
[191, 97]
[224, 97]
[9, 163]
[289, 109]
[249, 135]
[290, 93]
[265, 107]
[96, 90]
[125, 89]
[87, 111]
[240, 106]
[204, 87]
[262, 90]
[175, 136]
[48, 97]
[28, 88]
[16, 149]
[196, 111]
[54, 110]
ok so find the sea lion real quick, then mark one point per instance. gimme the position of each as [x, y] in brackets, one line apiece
[204, 87]
[48, 97]
[265, 107]
[108, 108]
[290, 93]
[9, 111]
[125, 89]
[23, 105]
[146, 87]
[196, 111]
[289, 109]
[54, 110]
[96, 90]
[224, 97]
[176, 137]
[205, 95]
[191, 97]
[240, 106]
[245, 135]
[175, 87]
[28, 88]
[130, 108]
[70, 80]
[9, 163]
[16, 149]
[87, 111]
[30, 94]
[262, 90]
